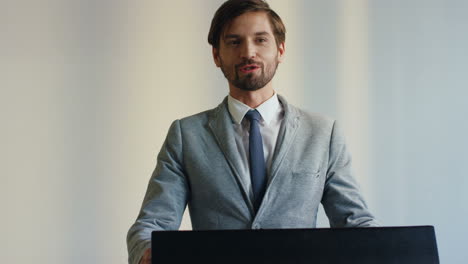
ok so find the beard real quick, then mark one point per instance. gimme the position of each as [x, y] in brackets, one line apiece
[249, 82]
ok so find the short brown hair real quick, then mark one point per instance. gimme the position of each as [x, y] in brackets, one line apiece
[234, 8]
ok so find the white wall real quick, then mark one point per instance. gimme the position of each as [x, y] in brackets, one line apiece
[89, 89]
[418, 74]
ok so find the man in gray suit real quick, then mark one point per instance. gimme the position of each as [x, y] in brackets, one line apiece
[254, 161]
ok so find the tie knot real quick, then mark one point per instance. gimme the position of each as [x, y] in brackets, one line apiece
[253, 115]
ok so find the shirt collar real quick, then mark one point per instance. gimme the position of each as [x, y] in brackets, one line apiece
[267, 109]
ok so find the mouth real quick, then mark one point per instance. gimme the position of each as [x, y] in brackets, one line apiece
[249, 68]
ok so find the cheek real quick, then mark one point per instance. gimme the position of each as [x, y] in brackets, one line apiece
[271, 61]
[271, 55]
[225, 61]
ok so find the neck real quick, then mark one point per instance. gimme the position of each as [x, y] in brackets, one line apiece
[252, 98]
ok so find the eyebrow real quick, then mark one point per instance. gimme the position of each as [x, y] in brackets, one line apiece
[262, 33]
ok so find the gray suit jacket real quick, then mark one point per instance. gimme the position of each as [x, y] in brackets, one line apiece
[199, 165]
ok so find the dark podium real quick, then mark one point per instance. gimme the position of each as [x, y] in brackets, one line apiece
[376, 245]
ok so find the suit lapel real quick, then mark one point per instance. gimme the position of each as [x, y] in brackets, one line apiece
[286, 136]
[222, 127]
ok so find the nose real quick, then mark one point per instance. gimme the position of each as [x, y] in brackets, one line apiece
[248, 50]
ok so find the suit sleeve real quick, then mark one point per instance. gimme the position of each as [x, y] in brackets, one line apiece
[342, 199]
[165, 199]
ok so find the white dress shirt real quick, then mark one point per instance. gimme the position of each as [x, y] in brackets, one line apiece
[272, 115]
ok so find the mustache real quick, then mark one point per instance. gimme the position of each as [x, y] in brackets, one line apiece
[248, 62]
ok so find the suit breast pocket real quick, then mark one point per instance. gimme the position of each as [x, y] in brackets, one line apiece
[308, 173]
[309, 179]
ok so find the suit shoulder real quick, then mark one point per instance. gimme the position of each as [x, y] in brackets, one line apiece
[315, 119]
[200, 118]
[196, 117]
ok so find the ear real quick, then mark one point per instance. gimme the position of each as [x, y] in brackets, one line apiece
[216, 58]
[281, 51]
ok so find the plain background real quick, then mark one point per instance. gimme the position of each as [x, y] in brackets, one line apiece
[89, 89]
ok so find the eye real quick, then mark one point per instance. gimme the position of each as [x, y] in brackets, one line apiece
[233, 42]
[262, 40]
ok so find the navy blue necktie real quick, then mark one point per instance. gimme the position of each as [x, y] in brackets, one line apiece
[256, 158]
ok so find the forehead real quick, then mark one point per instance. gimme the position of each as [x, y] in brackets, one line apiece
[249, 23]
